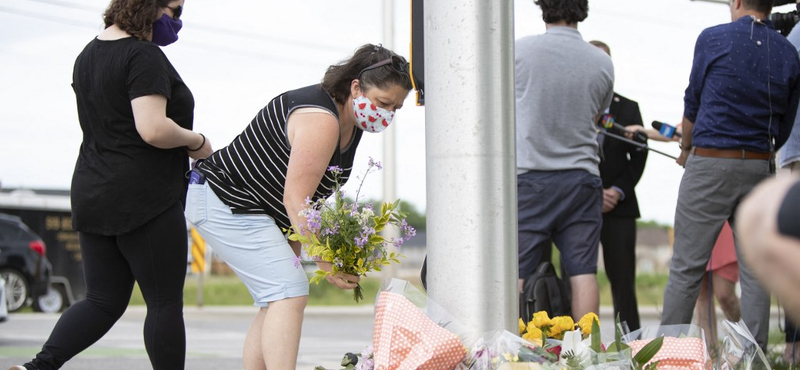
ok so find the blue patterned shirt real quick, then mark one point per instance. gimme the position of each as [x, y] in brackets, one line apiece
[743, 73]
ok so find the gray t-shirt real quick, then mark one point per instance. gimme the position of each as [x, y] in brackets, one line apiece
[562, 84]
[790, 152]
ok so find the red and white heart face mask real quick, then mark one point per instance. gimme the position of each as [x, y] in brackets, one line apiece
[370, 117]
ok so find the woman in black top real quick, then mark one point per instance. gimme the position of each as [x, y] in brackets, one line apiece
[247, 193]
[128, 185]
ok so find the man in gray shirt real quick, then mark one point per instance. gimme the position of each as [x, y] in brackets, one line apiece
[563, 85]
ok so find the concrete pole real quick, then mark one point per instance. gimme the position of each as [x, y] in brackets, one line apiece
[471, 179]
[389, 138]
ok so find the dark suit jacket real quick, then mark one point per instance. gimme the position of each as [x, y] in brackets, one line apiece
[623, 163]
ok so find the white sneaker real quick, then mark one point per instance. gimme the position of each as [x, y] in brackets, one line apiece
[18, 367]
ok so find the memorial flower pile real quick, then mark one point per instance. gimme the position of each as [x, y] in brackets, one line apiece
[405, 338]
[559, 343]
[347, 234]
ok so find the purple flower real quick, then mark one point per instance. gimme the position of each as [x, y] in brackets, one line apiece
[365, 364]
[373, 163]
[336, 170]
[367, 352]
[298, 261]
[368, 231]
[361, 240]
[331, 230]
[408, 230]
[313, 220]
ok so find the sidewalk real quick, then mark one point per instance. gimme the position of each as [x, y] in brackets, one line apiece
[215, 336]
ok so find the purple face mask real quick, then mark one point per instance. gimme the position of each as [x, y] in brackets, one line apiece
[165, 30]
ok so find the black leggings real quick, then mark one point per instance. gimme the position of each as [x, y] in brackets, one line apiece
[154, 255]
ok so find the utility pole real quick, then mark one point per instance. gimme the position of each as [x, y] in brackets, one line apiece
[389, 138]
[471, 169]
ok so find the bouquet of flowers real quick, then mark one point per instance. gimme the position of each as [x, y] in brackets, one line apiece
[578, 346]
[346, 234]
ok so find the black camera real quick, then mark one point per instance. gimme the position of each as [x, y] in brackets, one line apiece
[784, 22]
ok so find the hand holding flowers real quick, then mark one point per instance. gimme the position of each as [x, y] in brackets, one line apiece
[343, 237]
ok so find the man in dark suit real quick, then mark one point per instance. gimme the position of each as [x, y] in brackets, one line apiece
[620, 169]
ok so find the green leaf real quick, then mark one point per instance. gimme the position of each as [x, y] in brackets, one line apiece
[596, 346]
[617, 345]
[647, 352]
[652, 366]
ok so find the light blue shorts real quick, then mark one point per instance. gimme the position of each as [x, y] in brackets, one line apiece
[252, 245]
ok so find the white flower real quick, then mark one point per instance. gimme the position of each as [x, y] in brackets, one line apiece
[574, 342]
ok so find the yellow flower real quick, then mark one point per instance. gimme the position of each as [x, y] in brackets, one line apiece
[540, 319]
[560, 325]
[534, 335]
[510, 358]
[554, 332]
[586, 322]
[522, 326]
[566, 323]
[534, 332]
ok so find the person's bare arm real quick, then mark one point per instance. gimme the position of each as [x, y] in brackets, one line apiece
[160, 131]
[772, 256]
[313, 138]
[686, 141]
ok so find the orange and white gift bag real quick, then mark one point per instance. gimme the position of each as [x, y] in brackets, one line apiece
[677, 353]
[405, 339]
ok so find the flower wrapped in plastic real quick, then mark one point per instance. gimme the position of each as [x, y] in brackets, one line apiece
[683, 346]
[739, 349]
[506, 351]
[347, 234]
[578, 346]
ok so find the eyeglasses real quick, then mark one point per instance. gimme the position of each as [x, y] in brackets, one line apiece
[176, 11]
[397, 63]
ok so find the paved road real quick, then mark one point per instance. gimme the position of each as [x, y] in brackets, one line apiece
[214, 337]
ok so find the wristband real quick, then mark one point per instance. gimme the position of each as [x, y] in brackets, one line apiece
[789, 213]
[201, 144]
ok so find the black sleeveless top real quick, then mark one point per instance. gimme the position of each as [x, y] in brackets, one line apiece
[249, 175]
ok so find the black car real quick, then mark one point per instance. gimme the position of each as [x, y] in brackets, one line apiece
[23, 263]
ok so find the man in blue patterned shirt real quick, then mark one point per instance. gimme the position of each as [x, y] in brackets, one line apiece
[739, 108]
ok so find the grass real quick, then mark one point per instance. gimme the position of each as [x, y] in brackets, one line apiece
[649, 289]
[230, 291]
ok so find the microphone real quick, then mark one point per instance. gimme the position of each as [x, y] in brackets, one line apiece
[612, 126]
[665, 130]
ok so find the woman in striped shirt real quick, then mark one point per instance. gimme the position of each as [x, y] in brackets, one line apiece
[243, 196]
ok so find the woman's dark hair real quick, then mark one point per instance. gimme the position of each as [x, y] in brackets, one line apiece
[571, 11]
[338, 77]
[135, 17]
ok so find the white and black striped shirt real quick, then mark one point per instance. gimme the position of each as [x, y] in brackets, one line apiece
[249, 175]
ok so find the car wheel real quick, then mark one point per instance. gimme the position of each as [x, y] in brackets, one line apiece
[16, 289]
[50, 302]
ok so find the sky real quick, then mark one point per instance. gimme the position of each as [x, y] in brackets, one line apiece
[236, 56]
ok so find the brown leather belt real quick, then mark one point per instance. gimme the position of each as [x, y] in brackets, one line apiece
[730, 153]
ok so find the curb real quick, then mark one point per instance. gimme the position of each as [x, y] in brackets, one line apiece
[368, 311]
